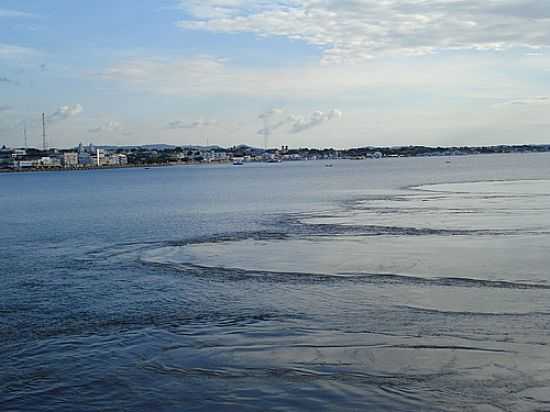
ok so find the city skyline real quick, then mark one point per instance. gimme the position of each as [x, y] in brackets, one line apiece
[298, 72]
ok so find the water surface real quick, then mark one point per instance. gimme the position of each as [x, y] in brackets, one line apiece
[399, 284]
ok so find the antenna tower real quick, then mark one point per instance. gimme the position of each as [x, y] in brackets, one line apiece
[44, 147]
[25, 134]
[267, 131]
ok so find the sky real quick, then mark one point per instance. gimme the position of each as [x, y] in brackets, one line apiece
[302, 73]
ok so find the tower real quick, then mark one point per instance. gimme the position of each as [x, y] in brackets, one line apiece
[267, 132]
[44, 147]
[25, 134]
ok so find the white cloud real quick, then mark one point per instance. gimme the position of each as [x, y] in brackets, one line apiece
[168, 76]
[536, 100]
[271, 113]
[208, 76]
[276, 118]
[14, 13]
[201, 123]
[109, 126]
[317, 118]
[222, 8]
[358, 30]
[65, 112]
[9, 51]
[205, 76]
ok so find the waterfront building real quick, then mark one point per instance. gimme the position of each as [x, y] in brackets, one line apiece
[23, 164]
[84, 159]
[99, 158]
[5, 158]
[215, 156]
[119, 159]
[70, 159]
[115, 160]
[47, 161]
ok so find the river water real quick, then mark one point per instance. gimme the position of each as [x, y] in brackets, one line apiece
[393, 284]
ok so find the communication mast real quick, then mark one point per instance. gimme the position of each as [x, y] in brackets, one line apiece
[44, 147]
[25, 134]
[267, 132]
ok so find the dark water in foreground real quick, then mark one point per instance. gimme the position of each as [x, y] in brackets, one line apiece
[399, 284]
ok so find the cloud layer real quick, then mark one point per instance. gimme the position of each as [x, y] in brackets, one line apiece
[536, 100]
[64, 113]
[14, 13]
[182, 124]
[10, 51]
[357, 30]
[276, 118]
[110, 126]
[301, 124]
[210, 76]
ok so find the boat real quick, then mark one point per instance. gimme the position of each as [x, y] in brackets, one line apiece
[237, 161]
[328, 165]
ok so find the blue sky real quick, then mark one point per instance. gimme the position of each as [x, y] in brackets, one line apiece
[339, 73]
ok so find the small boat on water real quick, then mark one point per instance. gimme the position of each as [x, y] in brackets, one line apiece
[238, 161]
[328, 165]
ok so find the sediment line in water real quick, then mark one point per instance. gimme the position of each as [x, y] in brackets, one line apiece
[470, 313]
[374, 346]
[374, 278]
[425, 187]
[329, 229]
[451, 281]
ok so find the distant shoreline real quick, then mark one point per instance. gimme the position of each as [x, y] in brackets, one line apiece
[83, 169]
[159, 165]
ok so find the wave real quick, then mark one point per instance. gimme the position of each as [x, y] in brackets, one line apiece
[88, 323]
[417, 309]
[294, 374]
[379, 230]
[374, 278]
[451, 282]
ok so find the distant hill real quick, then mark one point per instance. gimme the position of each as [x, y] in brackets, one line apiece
[145, 146]
[160, 146]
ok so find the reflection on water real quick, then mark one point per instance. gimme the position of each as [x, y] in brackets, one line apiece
[492, 232]
[367, 289]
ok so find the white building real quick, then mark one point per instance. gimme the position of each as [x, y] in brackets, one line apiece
[47, 161]
[70, 159]
[213, 156]
[122, 159]
[115, 160]
[99, 158]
